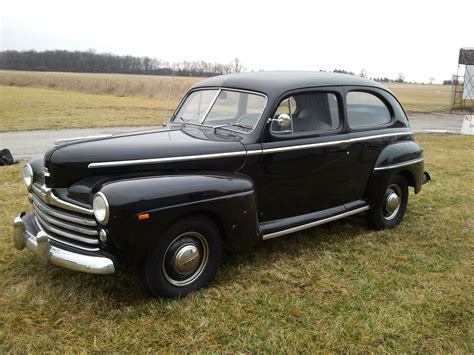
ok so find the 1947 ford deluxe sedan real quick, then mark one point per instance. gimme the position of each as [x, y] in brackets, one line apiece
[245, 158]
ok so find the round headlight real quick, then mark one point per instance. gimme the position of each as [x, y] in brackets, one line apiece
[28, 176]
[101, 208]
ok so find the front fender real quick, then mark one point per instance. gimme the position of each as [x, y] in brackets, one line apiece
[227, 198]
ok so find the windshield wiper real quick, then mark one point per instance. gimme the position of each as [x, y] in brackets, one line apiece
[184, 122]
[226, 127]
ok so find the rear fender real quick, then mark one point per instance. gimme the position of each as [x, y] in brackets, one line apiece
[405, 158]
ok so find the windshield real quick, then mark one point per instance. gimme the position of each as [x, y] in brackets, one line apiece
[219, 108]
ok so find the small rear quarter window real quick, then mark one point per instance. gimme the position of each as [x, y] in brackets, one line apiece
[365, 109]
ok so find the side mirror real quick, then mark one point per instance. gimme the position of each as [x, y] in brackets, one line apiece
[282, 124]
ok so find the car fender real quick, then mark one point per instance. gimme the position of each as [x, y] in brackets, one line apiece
[141, 209]
[404, 157]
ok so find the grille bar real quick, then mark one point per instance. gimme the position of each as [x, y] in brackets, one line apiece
[65, 225]
[47, 196]
[65, 241]
[64, 233]
[54, 212]
[64, 222]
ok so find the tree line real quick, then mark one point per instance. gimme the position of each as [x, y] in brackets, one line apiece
[92, 62]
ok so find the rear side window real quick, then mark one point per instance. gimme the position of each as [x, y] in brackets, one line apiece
[364, 109]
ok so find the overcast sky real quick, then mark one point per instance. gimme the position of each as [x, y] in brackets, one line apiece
[419, 38]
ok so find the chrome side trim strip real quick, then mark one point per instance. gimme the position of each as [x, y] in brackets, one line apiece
[314, 224]
[360, 139]
[304, 146]
[65, 140]
[325, 144]
[61, 215]
[255, 152]
[47, 196]
[242, 153]
[166, 160]
[405, 163]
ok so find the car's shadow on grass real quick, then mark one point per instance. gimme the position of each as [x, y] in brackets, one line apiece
[312, 239]
[123, 288]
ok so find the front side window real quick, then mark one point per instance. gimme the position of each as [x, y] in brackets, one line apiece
[308, 112]
[365, 109]
[220, 107]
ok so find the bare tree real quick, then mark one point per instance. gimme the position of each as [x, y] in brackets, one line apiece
[432, 79]
[92, 62]
[400, 78]
[237, 66]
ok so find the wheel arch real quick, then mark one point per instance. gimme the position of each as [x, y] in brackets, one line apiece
[408, 175]
[209, 214]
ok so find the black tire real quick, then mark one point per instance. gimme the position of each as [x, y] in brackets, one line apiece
[171, 270]
[382, 214]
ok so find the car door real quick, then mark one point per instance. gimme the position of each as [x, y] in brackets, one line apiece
[302, 168]
[370, 121]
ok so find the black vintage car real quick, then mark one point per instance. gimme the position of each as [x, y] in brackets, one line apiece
[245, 158]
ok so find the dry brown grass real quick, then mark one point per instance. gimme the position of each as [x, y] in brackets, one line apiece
[414, 97]
[157, 87]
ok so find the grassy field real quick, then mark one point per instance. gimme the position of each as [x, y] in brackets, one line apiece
[33, 108]
[422, 98]
[151, 86]
[339, 287]
[37, 100]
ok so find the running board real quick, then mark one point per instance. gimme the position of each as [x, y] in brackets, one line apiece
[315, 223]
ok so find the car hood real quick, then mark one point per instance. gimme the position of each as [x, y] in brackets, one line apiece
[155, 151]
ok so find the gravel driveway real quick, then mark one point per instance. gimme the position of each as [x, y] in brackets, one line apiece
[26, 144]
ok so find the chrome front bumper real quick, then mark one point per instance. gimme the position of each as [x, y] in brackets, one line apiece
[47, 253]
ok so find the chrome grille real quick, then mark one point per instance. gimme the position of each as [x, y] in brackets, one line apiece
[62, 222]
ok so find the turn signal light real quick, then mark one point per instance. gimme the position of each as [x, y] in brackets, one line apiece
[143, 216]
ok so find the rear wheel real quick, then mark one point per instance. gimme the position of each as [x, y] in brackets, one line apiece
[184, 259]
[387, 209]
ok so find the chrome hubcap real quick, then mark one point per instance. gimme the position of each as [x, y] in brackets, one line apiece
[185, 258]
[393, 199]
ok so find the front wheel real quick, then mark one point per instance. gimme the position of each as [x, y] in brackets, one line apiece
[387, 210]
[184, 259]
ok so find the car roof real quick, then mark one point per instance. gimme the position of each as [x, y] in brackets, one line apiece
[275, 83]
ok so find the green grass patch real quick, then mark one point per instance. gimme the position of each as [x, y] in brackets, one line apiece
[339, 287]
[423, 98]
[37, 108]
